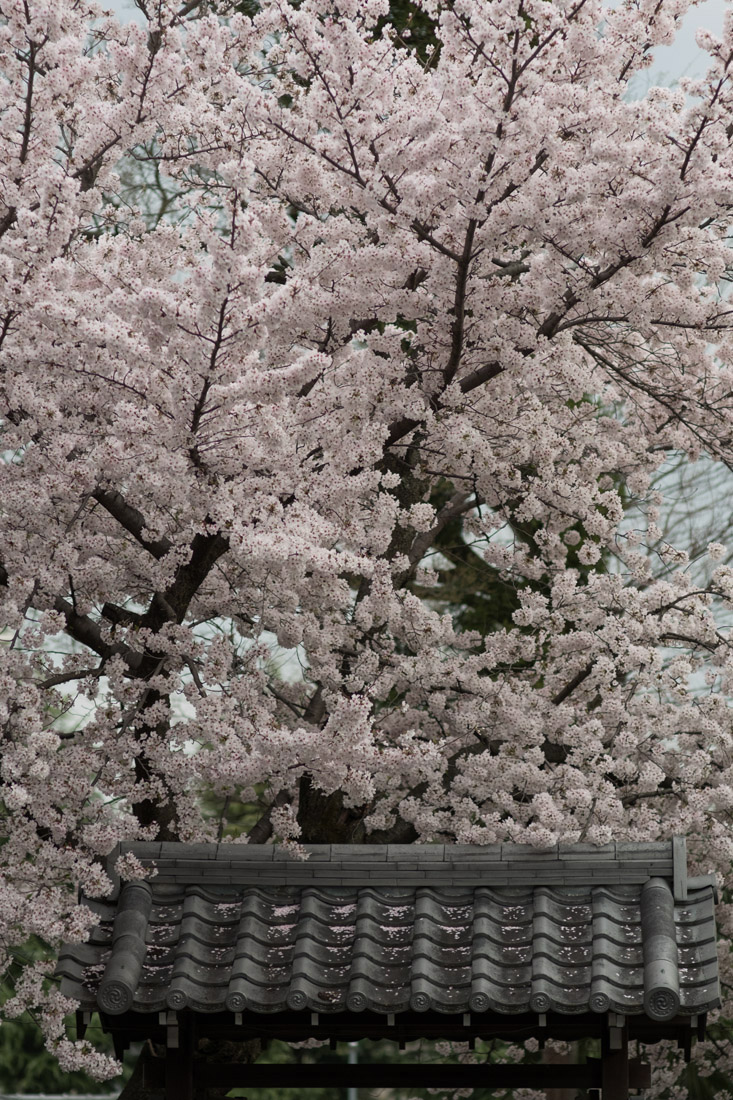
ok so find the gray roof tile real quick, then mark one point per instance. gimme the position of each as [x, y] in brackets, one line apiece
[398, 928]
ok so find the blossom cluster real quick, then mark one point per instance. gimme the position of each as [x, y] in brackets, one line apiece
[297, 325]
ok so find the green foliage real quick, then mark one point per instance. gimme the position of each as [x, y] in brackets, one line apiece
[478, 595]
[235, 818]
[474, 591]
[25, 1064]
[412, 25]
[415, 28]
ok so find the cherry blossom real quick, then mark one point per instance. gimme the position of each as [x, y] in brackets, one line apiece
[285, 307]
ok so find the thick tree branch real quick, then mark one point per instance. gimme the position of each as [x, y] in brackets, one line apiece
[85, 630]
[205, 552]
[69, 677]
[398, 429]
[576, 681]
[262, 830]
[131, 519]
[460, 503]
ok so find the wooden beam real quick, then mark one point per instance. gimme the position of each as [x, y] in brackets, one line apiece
[395, 1075]
[294, 1027]
[400, 1074]
[640, 1073]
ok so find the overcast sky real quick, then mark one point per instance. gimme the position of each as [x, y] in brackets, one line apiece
[684, 58]
[670, 62]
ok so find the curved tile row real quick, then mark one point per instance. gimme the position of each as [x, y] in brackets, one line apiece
[509, 950]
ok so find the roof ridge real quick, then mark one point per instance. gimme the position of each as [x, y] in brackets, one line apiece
[409, 866]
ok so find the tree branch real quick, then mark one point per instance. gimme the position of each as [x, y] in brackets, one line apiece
[131, 519]
[261, 831]
[459, 503]
[85, 630]
[576, 681]
[205, 552]
[67, 677]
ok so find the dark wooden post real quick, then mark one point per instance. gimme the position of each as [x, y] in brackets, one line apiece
[551, 1057]
[179, 1057]
[615, 1064]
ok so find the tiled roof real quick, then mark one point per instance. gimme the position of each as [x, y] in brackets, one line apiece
[392, 929]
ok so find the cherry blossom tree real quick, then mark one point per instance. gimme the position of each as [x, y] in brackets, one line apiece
[305, 323]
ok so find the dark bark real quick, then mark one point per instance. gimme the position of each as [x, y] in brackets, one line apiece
[324, 819]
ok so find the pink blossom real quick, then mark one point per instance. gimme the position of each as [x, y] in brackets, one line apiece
[295, 324]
